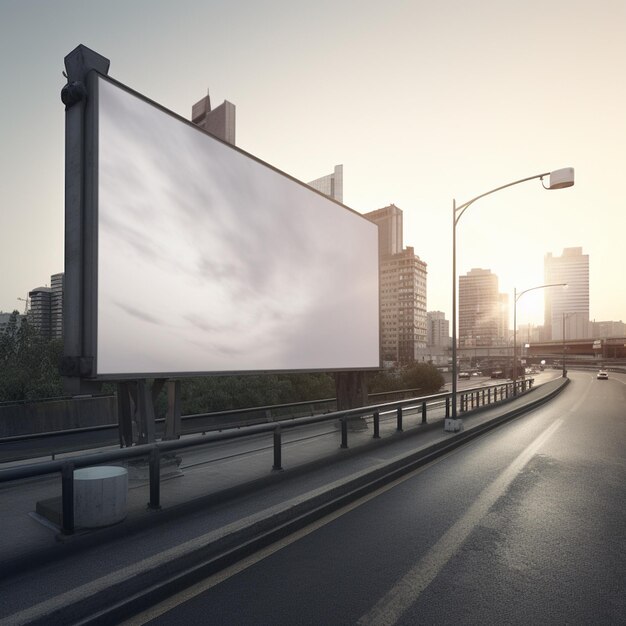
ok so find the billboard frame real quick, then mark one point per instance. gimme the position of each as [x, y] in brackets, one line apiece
[81, 226]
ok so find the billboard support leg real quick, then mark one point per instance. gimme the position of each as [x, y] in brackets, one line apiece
[172, 419]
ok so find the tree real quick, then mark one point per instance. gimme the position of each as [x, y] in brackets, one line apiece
[28, 363]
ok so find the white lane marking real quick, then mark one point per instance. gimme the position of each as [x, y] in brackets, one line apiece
[406, 591]
[219, 577]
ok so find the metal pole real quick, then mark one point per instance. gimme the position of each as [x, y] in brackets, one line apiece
[67, 498]
[454, 372]
[514, 340]
[376, 425]
[155, 479]
[399, 426]
[344, 432]
[277, 449]
[564, 372]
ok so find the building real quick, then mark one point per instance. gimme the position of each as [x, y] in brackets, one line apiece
[437, 330]
[330, 185]
[481, 310]
[567, 309]
[389, 222]
[39, 314]
[56, 306]
[604, 330]
[402, 285]
[220, 122]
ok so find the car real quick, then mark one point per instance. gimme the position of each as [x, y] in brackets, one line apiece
[602, 375]
[464, 374]
[497, 374]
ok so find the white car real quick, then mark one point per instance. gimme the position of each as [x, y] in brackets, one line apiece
[602, 375]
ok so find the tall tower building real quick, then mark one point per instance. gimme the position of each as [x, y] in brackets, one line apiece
[56, 306]
[567, 309]
[330, 185]
[389, 222]
[437, 330]
[39, 314]
[480, 314]
[220, 121]
[402, 285]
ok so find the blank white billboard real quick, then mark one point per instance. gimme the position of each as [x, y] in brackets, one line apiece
[212, 261]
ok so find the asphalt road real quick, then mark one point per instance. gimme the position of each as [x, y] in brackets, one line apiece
[523, 525]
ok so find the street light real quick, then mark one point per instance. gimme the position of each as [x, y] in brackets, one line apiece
[516, 297]
[559, 179]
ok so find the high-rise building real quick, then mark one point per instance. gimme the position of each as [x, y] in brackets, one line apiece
[39, 314]
[56, 306]
[437, 330]
[220, 121]
[481, 311]
[402, 285]
[503, 321]
[389, 222]
[45, 310]
[567, 309]
[330, 185]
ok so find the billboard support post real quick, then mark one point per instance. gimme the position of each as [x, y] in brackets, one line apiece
[172, 419]
[77, 362]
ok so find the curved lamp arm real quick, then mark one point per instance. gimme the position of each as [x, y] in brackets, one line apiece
[559, 179]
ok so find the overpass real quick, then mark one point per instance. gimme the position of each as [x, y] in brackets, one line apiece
[420, 539]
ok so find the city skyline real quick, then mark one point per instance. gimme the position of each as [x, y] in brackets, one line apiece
[415, 116]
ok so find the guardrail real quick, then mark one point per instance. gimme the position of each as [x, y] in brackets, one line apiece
[202, 422]
[468, 399]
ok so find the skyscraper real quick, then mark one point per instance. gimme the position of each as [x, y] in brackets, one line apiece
[330, 185]
[39, 314]
[438, 330]
[389, 222]
[56, 306]
[402, 285]
[481, 312]
[220, 121]
[567, 309]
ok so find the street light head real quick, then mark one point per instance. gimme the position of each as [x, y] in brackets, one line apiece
[559, 179]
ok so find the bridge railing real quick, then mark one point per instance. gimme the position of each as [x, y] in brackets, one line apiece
[468, 399]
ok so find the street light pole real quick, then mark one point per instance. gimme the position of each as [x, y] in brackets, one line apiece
[559, 179]
[516, 297]
[565, 316]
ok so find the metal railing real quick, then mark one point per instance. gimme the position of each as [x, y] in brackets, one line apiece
[469, 399]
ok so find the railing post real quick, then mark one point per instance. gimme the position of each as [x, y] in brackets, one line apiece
[376, 425]
[423, 412]
[278, 450]
[489, 395]
[448, 406]
[344, 432]
[155, 479]
[399, 426]
[67, 498]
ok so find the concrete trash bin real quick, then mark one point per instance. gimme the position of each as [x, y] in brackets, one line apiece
[100, 496]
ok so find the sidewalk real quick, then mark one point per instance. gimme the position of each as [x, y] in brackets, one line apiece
[225, 497]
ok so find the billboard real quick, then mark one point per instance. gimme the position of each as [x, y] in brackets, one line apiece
[208, 260]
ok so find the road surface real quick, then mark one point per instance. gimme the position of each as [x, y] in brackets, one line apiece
[523, 525]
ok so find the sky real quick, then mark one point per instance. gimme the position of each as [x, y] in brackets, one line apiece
[422, 102]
